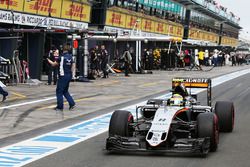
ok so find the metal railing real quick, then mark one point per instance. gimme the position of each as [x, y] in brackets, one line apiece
[214, 8]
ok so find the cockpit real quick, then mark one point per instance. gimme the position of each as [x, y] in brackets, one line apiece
[176, 100]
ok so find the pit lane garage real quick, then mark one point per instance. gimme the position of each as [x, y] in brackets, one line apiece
[176, 125]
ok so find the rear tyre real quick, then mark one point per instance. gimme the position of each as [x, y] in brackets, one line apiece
[120, 124]
[225, 113]
[208, 127]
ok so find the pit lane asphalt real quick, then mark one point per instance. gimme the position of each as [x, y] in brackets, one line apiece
[35, 115]
[233, 147]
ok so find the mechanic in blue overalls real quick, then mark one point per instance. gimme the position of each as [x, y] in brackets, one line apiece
[4, 93]
[66, 66]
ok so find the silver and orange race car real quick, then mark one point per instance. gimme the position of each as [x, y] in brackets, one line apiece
[179, 124]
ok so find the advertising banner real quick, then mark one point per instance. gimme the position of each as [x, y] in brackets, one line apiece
[175, 30]
[163, 4]
[56, 8]
[86, 10]
[75, 11]
[30, 7]
[160, 28]
[66, 10]
[228, 41]
[122, 31]
[145, 2]
[170, 30]
[44, 7]
[166, 4]
[120, 20]
[179, 31]
[141, 1]
[3, 4]
[53, 8]
[174, 7]
[158, 4]
[155, 3]
[39, 21]
[203, 35]
[80, 12]
[15, 5]
[150, 3]
[109, 18]
[133, 22]
[147, 25]
[116, 19]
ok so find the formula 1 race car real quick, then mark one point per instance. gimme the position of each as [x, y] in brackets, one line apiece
[176, 125]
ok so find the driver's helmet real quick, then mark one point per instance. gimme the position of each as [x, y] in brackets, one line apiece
[176, 100]
[181, 90]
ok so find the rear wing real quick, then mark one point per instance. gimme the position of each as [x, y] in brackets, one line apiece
[195, 83]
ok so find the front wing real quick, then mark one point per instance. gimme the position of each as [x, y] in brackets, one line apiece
[193, 145]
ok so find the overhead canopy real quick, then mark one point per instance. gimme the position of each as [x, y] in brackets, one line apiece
[199, 42]
[41, 30]
[185, 2]
[146, 39]
[108, 36]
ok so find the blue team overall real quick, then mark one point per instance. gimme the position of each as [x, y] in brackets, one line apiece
[65, 75]
[4, 93]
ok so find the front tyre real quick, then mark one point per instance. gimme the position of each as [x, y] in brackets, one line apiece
[225, 112]
[120, 124]
[207, 126]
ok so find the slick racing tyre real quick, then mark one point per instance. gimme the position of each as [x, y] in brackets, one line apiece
[208, 127]
[225, 113]
[120, 124]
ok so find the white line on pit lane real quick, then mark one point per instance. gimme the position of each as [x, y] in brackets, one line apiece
[30, 150]
[29, 102]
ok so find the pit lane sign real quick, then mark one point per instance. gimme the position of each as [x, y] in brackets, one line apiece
[39, 21]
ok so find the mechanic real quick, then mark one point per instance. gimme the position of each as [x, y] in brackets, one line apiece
[95, 62]
[53, 56]
[4, 93]
[104, 61]
[127, 58]
[66, 66]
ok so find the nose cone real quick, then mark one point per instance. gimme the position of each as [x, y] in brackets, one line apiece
[156, 138]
